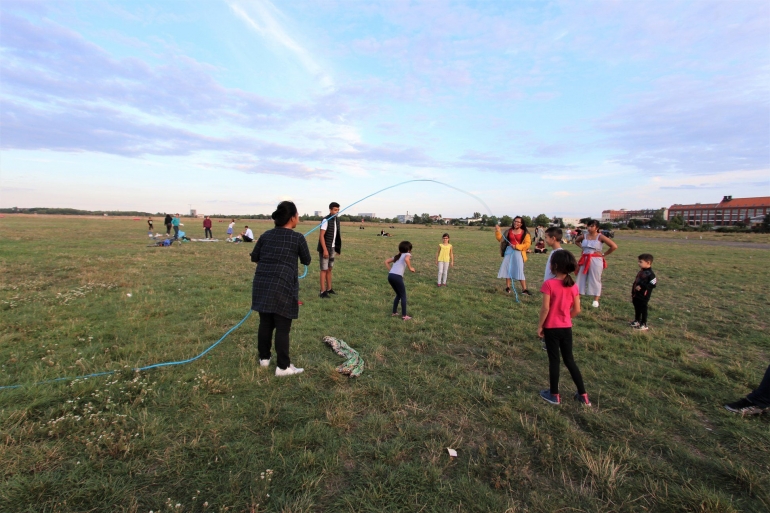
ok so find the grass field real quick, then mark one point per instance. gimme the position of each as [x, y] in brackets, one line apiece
[222, 434]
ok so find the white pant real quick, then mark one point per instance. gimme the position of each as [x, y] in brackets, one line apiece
[443, 269]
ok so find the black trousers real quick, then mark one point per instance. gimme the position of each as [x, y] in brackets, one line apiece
[761, 396]
[560, 340]
[168, 229]
[282, 326]
[397, 282]
[640, 309]
[208, 234]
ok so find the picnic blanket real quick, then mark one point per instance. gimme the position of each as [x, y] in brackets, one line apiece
[354, 364]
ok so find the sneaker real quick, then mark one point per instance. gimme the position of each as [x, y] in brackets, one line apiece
[264, 363]
[642, 327]
[634, 324]
[595, 304]
[507, 290]
[745, 407]
[288, 371]
[406, 318]
[438, 285]
[527, 292]
[582, 399]
[300, 303]
[324, 295]
[330, 291]
[551, 398]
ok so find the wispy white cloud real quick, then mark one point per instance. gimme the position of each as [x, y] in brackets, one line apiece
[262, 16]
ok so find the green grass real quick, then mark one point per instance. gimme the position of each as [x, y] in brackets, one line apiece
[464, 374]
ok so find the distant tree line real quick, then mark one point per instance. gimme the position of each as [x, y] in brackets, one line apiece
[74, 212]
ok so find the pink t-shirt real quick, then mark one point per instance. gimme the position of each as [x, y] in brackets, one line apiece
[561, 301]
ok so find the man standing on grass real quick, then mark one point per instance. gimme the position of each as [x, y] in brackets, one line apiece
[207, 228]
[329, 243]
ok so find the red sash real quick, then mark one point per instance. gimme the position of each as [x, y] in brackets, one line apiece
[586, 258]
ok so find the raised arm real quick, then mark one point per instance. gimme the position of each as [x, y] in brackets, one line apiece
[498, 233]
[409, 263]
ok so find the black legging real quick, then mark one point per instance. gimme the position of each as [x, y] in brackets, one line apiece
[397, 282]
[560, 339]
[640, 309]
[761, 395]
[282, 326]
[208, 234]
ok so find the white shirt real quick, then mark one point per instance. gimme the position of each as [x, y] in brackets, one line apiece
[249, 233]
[399, 266]
[548, 274]
[325, 225]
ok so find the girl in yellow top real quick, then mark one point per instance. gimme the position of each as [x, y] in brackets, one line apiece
[513, 249]
[444, 256]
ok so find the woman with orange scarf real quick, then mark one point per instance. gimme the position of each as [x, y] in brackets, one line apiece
[513, 249]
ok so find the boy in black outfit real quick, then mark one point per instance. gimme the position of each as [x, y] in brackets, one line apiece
[641, 291]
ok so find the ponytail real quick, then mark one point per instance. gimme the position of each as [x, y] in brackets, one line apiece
[563, 262]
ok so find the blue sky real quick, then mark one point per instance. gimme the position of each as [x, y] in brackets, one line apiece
[564, 108]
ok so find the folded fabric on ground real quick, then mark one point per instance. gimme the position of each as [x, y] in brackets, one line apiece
[205, 240]
[354, 364]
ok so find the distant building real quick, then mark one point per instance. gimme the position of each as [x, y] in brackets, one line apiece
[367, 214]
[405, 218]
[644, 214]
[570, 221]
[727, 212]
[436, 219]
[318, 213]
[193, 212]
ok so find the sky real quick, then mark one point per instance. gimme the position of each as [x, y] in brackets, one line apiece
[231, 106]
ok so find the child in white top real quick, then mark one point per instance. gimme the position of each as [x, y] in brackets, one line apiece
[553, 241]
[396, 267]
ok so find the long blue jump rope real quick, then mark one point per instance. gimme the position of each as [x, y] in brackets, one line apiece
[215, 344]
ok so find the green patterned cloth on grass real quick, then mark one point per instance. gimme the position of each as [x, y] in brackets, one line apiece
[354, 364]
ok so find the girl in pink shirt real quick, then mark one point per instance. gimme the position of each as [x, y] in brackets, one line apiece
[561, 302]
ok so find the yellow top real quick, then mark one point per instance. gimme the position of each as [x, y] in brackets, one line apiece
[444, 249]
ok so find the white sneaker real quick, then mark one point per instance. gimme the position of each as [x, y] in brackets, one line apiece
[595, 304]
[288, 371]
[264, 363]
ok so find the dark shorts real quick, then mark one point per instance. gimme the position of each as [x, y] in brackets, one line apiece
[326, 263]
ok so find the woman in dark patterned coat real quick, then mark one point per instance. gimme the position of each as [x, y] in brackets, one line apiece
[275, 292]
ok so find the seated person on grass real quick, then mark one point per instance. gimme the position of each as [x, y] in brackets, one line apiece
[246, 236]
